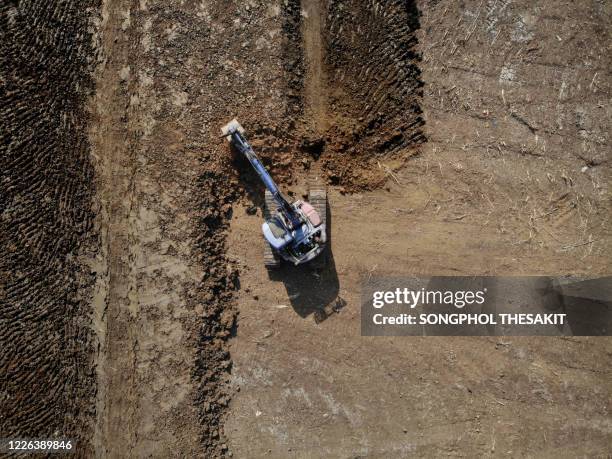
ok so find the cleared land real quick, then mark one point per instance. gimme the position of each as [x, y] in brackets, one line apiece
[136, 312]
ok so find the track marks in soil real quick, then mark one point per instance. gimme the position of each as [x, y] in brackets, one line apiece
[359, 88]
[47, 383]
[373, 61]
[116, 359]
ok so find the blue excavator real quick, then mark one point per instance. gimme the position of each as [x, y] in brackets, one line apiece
[294, 231]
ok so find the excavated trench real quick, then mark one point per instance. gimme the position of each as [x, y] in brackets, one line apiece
[374, 89]
[353, 92]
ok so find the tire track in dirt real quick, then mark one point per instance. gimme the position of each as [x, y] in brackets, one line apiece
[47, 383]
[115, 430]
[144, 318]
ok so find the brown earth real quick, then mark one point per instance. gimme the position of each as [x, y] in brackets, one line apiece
[513, 180]
[467, 138]
[47, 379]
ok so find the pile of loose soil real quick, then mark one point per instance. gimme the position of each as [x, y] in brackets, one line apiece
[218, 323]
[241, 74]
[367, 116]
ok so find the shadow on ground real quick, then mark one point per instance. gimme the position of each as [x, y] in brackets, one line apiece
[313, 288]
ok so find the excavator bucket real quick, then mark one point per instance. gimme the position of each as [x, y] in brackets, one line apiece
[230, 127]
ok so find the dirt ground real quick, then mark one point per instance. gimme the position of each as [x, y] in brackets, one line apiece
[513, 179]
[457, 138]
[46, 221]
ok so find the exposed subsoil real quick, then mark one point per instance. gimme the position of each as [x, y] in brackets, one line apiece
[163, 314]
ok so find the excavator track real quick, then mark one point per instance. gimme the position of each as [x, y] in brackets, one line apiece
[271, 257]
[318, 200]
[317, 196]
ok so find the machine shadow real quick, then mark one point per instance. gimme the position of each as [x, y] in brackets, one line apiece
[313, 288]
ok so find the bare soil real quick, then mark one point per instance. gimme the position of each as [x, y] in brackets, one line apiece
[47, 379]
[463, 138]
[513, 180]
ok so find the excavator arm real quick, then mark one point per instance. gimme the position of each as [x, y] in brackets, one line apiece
[233, 132]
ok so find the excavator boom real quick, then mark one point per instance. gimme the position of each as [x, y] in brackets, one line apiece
[295, 230]
[237, 139]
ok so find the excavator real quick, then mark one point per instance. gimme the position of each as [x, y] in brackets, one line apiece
[293, 231]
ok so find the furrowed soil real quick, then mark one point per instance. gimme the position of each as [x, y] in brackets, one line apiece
[47, 380]
[456, 138]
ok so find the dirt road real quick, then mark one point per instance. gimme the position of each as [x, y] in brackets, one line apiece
[146, 351]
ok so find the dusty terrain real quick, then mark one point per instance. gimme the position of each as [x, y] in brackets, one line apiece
[456, 138]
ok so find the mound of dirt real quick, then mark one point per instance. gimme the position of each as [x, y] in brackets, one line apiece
[47, 383]
[353, 92]
[374, 89]
[213, 364]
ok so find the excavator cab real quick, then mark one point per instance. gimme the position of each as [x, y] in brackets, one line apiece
[276, 232]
